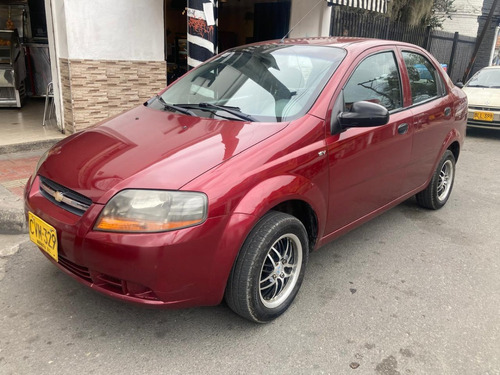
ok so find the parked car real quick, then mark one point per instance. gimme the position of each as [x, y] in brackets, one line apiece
[222, 184]
[483, 93]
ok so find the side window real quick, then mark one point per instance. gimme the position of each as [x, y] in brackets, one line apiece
[375, 80]
[425, 82]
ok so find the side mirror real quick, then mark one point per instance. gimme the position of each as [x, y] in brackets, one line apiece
[459, 84]
[363, 115]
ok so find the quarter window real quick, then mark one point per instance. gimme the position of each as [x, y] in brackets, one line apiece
[375, 80]
[424, 79]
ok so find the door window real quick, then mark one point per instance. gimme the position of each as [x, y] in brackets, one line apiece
[375, 80]
[425, 82]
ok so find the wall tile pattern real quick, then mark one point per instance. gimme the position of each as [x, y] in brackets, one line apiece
[66, 96]
[94, 90]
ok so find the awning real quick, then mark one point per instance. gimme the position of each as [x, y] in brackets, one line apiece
[202, 31]
[373, 5]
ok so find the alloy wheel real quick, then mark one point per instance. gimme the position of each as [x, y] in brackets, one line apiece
[445, 180]
[280, 270]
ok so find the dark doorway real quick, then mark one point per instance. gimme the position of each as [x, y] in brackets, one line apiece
[247, 21]
[271, 20]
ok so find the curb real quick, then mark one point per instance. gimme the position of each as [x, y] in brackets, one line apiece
[28, 146]
[12, 220]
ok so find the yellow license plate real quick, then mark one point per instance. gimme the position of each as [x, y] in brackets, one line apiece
[483, 116]
[43, 235]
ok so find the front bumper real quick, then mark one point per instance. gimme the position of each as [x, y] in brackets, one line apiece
[187, 267]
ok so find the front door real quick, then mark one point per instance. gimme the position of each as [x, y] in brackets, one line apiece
[367, 165]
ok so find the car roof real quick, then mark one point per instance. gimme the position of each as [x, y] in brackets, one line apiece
[348, 43]
[338, 41]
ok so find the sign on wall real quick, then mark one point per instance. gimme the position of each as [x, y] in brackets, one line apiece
[202, 31]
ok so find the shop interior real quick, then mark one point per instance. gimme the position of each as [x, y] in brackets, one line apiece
[26, 111]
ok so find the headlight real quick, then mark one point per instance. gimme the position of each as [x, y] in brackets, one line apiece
[40, 162]
[152, 211]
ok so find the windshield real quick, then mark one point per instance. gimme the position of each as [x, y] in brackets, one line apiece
[258, 83]
[485, 78]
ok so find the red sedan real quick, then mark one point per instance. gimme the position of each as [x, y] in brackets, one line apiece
[221, 185]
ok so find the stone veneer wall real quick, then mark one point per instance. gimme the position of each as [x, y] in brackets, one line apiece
[94, 90]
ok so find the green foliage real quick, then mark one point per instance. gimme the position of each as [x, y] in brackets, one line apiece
[441, 10]
[422, 12]
[413, 12]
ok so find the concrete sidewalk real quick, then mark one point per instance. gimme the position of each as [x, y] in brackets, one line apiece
[16, 166]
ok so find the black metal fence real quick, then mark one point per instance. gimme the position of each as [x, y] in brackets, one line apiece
[448, 48]
[453, 49]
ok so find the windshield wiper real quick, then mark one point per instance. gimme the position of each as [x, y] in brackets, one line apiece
[175, 107]
[235, 111]
[232, 110]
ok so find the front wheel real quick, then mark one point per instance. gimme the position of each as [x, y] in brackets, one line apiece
[269, 269]
[438, 191]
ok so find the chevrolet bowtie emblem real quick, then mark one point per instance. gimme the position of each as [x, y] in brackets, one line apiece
[58, 196]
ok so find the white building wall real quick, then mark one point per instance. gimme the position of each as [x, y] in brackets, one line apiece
[465, 24]
[58, 47]
[464, 20]
[115, 29]
[316, 23]
[55, 10]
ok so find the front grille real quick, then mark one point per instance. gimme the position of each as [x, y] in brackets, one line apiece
[78, 270]
[63, 197]
[482, 108]
[483, 124]
[109, 283]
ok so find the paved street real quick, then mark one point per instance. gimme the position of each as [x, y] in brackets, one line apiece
[411, 292]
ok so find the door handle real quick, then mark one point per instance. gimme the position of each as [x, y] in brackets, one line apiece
[402, 128]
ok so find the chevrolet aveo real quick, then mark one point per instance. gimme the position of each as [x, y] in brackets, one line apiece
[221, 185]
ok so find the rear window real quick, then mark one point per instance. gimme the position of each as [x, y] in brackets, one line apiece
[425, 82]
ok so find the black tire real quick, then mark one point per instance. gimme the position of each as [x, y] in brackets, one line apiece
[274, 255]
[438, 191]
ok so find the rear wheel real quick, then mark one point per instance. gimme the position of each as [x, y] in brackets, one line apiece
[439, 189]
[269, 269]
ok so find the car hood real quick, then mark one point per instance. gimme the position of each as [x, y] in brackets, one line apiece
[483, 96]
[149, 149]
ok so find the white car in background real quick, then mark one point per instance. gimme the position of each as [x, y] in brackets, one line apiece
[483, 93]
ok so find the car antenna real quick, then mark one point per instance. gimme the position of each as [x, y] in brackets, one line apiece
[289, 31]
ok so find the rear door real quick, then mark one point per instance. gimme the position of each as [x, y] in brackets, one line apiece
[368, 165]
[432, 108]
